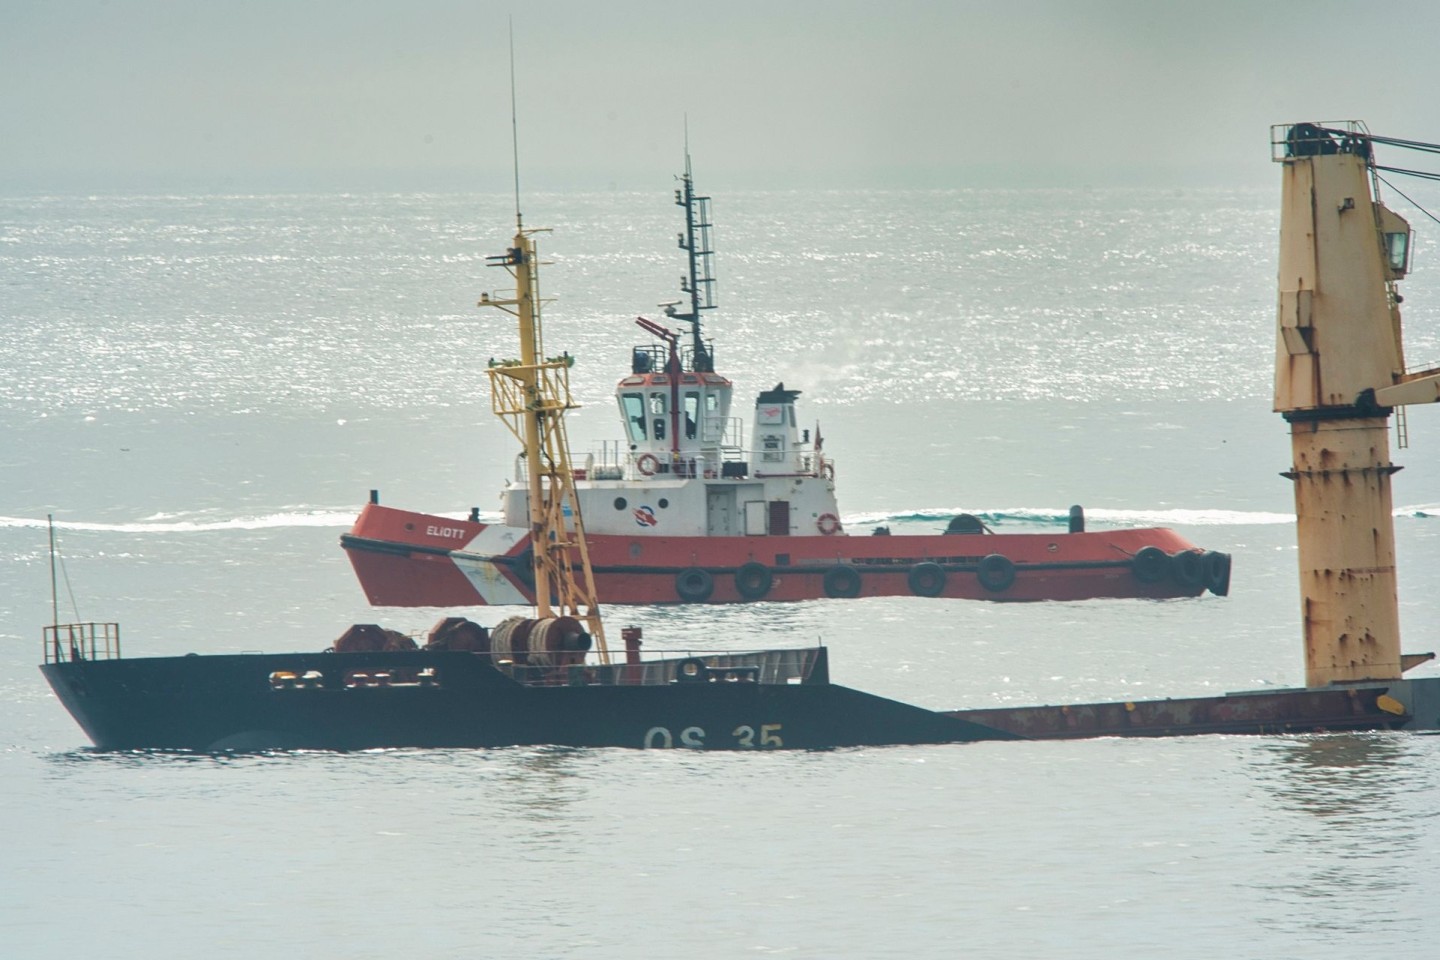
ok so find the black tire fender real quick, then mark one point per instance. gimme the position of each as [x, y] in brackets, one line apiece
[842, 581]
[694, 585]
[1188, 569]
[1150, 565]
[927, 579]
[1217, 573]
[753, 580]
[996, 573]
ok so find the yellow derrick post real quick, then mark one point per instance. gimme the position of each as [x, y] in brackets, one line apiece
[1339, 370]
[531, 396]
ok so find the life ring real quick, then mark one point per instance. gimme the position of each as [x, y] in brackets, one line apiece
[842, 581]
[753, 580]
[828, 524]
[1188, 569]
[1217, 573]
[694, 585]
[1150, 565]
[927, 579]
[827, 470]
[996, 573]
[647, 464]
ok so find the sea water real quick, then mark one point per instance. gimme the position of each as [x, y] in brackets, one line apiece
[202, 391]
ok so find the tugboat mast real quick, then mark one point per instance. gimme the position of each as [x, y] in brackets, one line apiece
[699, 282]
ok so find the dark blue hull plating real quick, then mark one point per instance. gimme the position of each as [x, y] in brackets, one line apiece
[263, 701]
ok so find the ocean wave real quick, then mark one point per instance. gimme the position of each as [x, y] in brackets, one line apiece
[178, 523]
[1107, 517]
[189, 523]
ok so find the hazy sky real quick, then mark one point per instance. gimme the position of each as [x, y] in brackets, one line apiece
[414, 95]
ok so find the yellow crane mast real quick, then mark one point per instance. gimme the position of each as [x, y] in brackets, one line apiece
[531, 396]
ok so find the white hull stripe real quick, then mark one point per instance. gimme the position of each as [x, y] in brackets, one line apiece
[488, 579]
[496, 540]
[490, 582]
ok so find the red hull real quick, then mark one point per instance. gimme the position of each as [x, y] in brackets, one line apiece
[409, 559]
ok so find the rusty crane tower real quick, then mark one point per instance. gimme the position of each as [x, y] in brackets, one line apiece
[1339, 375]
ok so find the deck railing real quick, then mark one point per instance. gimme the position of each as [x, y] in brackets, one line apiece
[764, 666]
[66, 642]
[760, 667]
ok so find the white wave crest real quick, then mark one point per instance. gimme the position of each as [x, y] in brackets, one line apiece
[1190, 518]
[1111, 517]
[1108, 517]
[173, 523]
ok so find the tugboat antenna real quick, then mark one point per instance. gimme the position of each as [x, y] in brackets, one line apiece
[514, 127]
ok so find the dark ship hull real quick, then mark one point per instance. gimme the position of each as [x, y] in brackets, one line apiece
[450, 699]
[357, 701]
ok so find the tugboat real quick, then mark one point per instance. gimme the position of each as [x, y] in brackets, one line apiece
[546, 679]
[687, 510]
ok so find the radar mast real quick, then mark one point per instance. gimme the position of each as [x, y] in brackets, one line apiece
[699, 281]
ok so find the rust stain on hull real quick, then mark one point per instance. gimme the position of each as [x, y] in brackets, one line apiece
[1287, 711]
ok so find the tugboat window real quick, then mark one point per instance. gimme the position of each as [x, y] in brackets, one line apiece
[692, 414]
[634, 415]
[657, 410]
